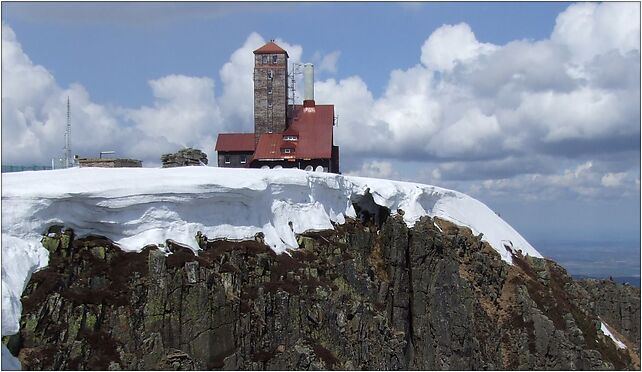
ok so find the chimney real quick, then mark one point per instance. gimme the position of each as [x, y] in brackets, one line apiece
[308, 85]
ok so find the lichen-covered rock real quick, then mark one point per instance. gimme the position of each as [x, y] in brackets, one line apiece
[618, 305]
[183, 158]
[359, 297]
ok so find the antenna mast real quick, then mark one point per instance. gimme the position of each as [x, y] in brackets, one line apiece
[68, 161]
[296, 70]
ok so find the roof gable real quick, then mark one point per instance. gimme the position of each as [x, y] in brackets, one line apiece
[271, 48]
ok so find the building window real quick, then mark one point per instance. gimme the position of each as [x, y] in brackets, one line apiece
[287, 151]
[243, 159]
[274, 58]
[269, 101]
[264, 59]
[270, 74]
[227, 159]
[290, 138]
[269, 86]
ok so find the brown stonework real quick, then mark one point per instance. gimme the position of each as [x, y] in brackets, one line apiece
[270, 93]
[110, 163]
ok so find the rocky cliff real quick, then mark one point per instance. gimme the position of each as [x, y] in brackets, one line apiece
[360, 296]
[618, 305]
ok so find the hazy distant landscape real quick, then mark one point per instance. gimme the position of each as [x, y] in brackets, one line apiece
[621, 260]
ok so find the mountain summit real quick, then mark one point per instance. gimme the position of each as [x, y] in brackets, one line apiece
[206, 268]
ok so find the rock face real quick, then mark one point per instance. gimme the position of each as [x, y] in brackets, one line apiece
[358, 297]
[183, 158]
[618, 305]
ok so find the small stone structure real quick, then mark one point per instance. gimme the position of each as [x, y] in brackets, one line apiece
[183, 158]
[110, 163]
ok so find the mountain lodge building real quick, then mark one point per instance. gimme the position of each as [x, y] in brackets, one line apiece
[285, 135]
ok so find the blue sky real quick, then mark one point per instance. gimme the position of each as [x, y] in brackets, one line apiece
[114, 57]
[533, 108]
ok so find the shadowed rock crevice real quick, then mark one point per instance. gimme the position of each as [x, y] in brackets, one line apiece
[359, 297]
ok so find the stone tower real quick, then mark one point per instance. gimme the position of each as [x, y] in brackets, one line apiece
[270, 89]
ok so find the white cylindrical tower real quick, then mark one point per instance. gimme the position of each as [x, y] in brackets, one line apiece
[308, 82]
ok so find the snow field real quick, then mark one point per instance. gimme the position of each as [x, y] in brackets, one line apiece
[139, 206]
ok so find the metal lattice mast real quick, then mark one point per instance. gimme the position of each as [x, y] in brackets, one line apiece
[68, 161]
[296, 70]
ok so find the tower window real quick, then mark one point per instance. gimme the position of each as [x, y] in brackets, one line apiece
[287, 151]
[274, 58]
[270, 74]
[264, 59]
[269, 101]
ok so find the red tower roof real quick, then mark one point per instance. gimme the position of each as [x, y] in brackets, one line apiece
[271, 48]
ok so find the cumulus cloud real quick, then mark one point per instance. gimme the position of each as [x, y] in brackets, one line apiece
[592, 29]
[238, 84]
[375, 169]
[515, 110]
[452, 44]
[34, 115]
[185, 112]
[327, 62]
[613, 179]
[34, 111]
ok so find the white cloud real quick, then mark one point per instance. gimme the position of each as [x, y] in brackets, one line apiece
[584, 113]
[185, 111]
[613, 179]
[351, 92]
[474, 133]
[472, 101]
[590, 29]
[586, 180]
[238, 84]
[375, 169]
[236, 76]
[452, 44]
[34, 115]
[329, 62]
[34, 111]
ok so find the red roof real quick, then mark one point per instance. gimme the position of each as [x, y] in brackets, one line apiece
[269, 146]
[235, 142]
[314, 126]
[271, 48]
[291, 132]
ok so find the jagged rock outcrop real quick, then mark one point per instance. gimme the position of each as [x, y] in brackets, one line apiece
[618, 305]
[183, 158]
[359, 297]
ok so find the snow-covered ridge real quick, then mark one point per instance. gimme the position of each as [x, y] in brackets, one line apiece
[139, 206]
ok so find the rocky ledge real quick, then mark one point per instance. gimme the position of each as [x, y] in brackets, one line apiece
[358, 297]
